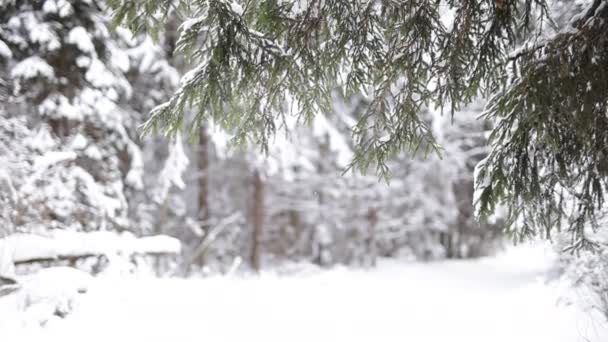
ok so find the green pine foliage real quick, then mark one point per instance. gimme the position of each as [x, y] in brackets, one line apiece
[549, 145]
[255, 62]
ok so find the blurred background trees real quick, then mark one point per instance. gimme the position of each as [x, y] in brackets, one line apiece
[74, 92]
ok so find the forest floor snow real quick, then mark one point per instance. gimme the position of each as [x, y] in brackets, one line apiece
[500, 299]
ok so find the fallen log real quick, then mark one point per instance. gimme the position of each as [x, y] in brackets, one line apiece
[62, 245]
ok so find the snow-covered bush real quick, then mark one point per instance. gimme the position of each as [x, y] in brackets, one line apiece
[586, 273]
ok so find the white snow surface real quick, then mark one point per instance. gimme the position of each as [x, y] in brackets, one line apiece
[499, 299]
[81, 38]
[32, 67]
[41, 296]
[26, 247]
[5, 51]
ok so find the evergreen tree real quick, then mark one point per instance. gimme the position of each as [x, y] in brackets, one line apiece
[257, 61]
[68, 115]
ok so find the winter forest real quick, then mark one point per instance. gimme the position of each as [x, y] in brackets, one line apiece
[308, 170]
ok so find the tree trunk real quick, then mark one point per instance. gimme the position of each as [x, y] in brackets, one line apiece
[203, 185]
[445, 238]
[372, 218]
[258, 220]
[296, 225]
[160, 266]
[320, 245]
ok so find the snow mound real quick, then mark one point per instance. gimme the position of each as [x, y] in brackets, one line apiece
[49, 294]
[61, 245]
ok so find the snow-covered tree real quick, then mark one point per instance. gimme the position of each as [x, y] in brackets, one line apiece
[254, 62]
[71, 155]
[64, 88]
[68, 97]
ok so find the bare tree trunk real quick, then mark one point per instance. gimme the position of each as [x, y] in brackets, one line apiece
[203, 185]
[444, 240]
[160, 229]
[372, 218]
[294, 222]
[258, 220]
[321, 232]
[206, 241]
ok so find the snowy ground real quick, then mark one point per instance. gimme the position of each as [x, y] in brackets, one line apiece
[489, 300]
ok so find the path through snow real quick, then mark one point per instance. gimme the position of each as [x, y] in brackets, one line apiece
[501, 299]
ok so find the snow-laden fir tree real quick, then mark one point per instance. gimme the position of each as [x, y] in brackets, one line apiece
[69, 115]
[256, 61]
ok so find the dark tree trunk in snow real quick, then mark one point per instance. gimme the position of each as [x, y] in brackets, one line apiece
[203, 185]
[161, 264]
[445, 238]
[372, 218]
[258, 220]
